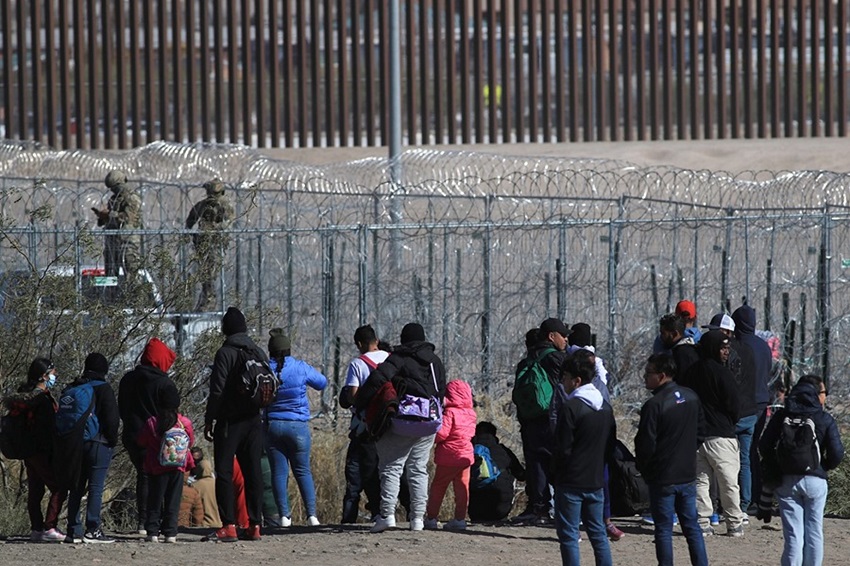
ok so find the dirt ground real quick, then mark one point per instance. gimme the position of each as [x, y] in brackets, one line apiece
[335, 545]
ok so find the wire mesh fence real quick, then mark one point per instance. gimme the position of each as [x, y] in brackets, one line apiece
[477, 248]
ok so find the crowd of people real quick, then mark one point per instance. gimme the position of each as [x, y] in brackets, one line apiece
[710, 445]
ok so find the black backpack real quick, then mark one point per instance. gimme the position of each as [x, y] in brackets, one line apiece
[258, 381]
[16, 435]
[797, 449]
[629, 491]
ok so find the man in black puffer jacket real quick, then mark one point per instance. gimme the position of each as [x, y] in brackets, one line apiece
[414, 369]
[141, 393]
[232, 423]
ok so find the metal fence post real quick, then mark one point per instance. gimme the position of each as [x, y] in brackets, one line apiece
[612, 293]
[823, 291]
[260, 271]
[361, 274]
[486, 338]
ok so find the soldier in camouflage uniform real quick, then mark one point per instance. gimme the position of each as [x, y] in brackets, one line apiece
[212, 215]
[122, 212]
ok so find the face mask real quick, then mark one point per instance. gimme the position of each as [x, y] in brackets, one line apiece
[51, 380]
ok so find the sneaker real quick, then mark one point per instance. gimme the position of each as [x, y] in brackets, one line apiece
[141, 529]
[36, 536]
[151, 538]
[251, 533]
[525, 517]
[171, 540]
[286, 521]
[708, 531]
[647, 520]
[455, 525]
[227, 533]
[432, 524]
[417, 524]
[97, 537]
[735, 531]
[71, 539]
[614, 533]
[313, 521]
[714, 519]
[746, 521]
[383, 523]
[52, 535]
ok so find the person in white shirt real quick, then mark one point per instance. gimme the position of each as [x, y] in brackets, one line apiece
[361, 459]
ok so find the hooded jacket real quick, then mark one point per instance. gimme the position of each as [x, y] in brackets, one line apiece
[290, 402]
[494, 502]
[409, 369]
[803, 401]
[685, 353]
[670, 431]
[40, 407]
[226, 402]
[205, 484]
[715, 386]
[105, 407]
[143, 390]
[745, 328]
[584, 434]
[454, 439]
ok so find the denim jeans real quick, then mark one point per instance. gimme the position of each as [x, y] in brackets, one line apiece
[96, 459]
[744, 431]
[571, 507]
[801, 503]
[664, 502]
[288, 445]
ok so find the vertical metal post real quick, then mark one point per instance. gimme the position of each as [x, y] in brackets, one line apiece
[747, 253]
[290, 214]
[361, 274]
[445, 316]
[802, 328]
[327, 290]
[613, 246]
[696, 266]
[395, 90]
[486, 338]
[560, 272]
[653, 282]
[823, 288]
[768, 294]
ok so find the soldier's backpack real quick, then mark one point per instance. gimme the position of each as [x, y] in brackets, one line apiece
[174, 446]
[484, 470]
[533, 389]
[76, 404]
[797, 450]
[259, 382]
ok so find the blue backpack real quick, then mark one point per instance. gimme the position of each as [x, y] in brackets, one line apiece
[484, 471]
[75, 405]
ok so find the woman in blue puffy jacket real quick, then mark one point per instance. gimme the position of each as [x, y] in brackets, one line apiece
[287, 432]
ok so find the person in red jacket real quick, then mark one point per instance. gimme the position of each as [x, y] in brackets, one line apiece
[453, 456]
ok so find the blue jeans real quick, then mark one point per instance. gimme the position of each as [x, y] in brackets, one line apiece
[744, 431]
[664, 502]
[96, 459]
[289, 446]
[571, 507]
[801, 503]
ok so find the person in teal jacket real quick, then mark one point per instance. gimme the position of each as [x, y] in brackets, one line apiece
[288, 437]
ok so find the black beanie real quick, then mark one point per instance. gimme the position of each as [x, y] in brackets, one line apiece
[97, 364]
[412, 332]
[278, 341]
[233, 322]
[581, 335]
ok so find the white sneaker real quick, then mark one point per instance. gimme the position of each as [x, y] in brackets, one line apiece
[313, 521]
[432, 524]
[382, 523]
[171, 539]
[455, 525]
[52, 535]
[152, 538]
[285, 521]
[417, 524]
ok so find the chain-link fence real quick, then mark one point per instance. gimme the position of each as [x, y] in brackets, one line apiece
[478, 248]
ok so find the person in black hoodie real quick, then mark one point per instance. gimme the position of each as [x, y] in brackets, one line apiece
[96, 456]
[718, 456]
[34, 402]
[232, 423]
[802, 497]
[671, 328]
[414, 369]
[745, 328]
[493, 502]
[142, 392]
[669, 434]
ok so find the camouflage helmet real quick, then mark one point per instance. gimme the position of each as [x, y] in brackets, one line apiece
[214, 187]
[115, 178]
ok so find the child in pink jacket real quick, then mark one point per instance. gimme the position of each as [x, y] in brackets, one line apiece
[453, 455]
[167, 439]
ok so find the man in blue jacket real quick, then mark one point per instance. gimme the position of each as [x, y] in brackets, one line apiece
[802, 496]
[670, 431]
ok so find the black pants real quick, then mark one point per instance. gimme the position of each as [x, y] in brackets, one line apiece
[755, 458]
[243, 439]
[137, 457]
[536, 443]
[164, 493]
[361, 474]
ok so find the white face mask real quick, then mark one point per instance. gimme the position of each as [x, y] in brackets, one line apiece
[51, 380]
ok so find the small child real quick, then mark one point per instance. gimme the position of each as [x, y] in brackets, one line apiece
[453, 456]
[167, 439]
